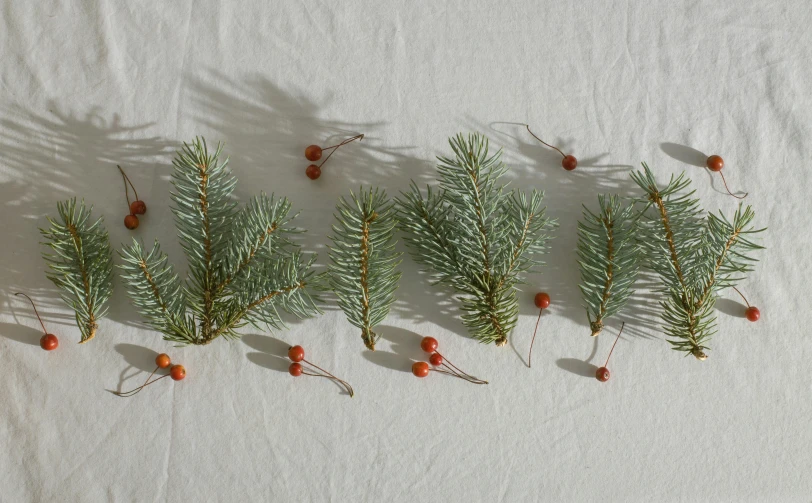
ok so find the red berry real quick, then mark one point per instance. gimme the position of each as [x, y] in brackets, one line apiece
[313, 172]
[429, 344]
[313, 153]
[569, 162]
[138, 207]
[48, 342]
[296, 353]
[436, 359]
[420, 369]
[295, 369]
[715, 163]
[541, 300]
[131, 222]
[752, 313]
[163, 360]
[177, 372]
[602, 374]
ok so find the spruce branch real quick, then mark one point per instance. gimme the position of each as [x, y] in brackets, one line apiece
[364, 261]
[81, 264]
[476, 236]
[608, 256]
[695, 256]
[243, 266]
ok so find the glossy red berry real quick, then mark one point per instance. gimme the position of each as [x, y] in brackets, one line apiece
[429, 344]
[177, 372]
[313, 153]
[163, 360]
[602, 374]
[295, 369]
[420, 369]
[48, 342]
[138, 207]
[131, 222]
[569, 162]
[296, 353]
[715, 163]
[752, 313]
[541, 300]
[313, 172]
[436, 359]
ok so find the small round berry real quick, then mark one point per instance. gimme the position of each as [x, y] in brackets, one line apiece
[295, 369]
[163, 360]
[429, 344]
[541, 300]
[138, 207]
[313, 153]
[296, 353]
[752, 313]
[715, 163]
[131, 222]
[48, 342]
[602, 374]
[569, 162]
[313, 172]
[436, 359]
[177, 372]
[420, 369]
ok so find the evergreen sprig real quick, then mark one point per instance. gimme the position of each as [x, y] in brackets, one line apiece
[476, 236]
[243, 267]
[608, 255]
[363, 271]
[81, 264]
[695, 257]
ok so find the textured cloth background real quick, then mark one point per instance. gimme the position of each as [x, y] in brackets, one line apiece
[87, 85]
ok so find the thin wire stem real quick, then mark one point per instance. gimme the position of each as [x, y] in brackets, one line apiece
[613, 345]
[478, 381]
[35, 310]
[530, 354]
[132, 392]
[345, 383]
[544, 142]
[453, 367]
[742, 295]
[335, 147]
[728, 190]
[126, 181]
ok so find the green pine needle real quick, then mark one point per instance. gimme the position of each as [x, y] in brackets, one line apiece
[608, 256]
[81, 264]
[363, 271]
[243, 268]
[476, 236]
[696, 256]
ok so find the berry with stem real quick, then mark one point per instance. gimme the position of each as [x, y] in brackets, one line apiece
[542, 301]
[297, 355]
[715, 163]
[48, 342]
[751, 313]
[602, 374]
[313, 153]
[569, 162]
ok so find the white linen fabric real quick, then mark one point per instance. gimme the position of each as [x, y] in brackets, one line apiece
[88, 85]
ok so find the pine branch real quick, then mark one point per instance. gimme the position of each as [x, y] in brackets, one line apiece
[364, 261]
[475, 236]
[81, 265]
[608, 256]
[695, 257]
[243, 267]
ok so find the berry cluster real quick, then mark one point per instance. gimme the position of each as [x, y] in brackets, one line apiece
[313, 153]
[297, 355]
[176, 372]
[137, 207]
[421, 369]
